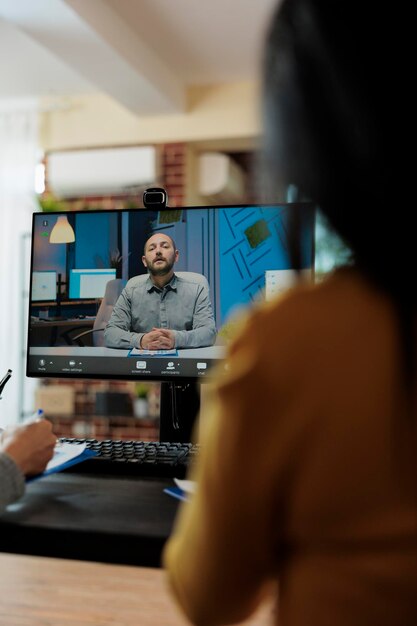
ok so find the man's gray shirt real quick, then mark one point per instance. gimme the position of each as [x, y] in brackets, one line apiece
[183, 306]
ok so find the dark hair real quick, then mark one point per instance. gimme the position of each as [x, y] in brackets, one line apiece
[333, 79]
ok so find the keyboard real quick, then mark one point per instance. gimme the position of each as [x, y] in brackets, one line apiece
[136, 458]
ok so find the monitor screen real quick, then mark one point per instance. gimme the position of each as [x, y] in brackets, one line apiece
[91, 283]
[43, 286]
[155, 294]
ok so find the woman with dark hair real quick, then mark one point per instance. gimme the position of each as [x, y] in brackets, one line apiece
[308, 469]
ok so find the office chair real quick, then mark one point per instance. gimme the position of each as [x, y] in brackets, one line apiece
[96, 334]
[113, 290]
[199, 278]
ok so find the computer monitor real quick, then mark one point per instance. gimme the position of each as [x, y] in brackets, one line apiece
[43, 286]
[89, 283]
[234, 255]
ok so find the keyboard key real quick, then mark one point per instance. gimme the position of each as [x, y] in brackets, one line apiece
[139, 458]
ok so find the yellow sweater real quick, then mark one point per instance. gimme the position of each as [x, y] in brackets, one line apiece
[308, 470]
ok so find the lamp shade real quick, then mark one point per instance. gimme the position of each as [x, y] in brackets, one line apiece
[62, 232]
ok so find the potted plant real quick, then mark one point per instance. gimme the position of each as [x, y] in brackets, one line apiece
[50, 204]
[116, 261]
[140, 403]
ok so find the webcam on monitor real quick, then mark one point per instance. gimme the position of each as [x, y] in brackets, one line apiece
[155, 198]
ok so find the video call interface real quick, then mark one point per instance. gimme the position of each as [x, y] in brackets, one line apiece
[85, 315]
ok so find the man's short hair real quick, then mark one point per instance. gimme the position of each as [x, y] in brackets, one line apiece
[159, 233]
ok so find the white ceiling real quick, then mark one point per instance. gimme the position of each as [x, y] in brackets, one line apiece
[143, 53]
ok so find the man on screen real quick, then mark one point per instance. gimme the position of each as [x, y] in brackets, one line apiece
[160, 310]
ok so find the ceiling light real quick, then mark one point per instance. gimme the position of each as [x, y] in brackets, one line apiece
[62, 232]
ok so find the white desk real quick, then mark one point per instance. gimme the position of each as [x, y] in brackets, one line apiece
[211, 352]
[109, 362]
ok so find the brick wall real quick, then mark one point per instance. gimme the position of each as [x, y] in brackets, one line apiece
[99, 427]
[84, 421]
[173, 172]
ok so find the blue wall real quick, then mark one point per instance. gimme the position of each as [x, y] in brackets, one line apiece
[252, 240]
[95, 239]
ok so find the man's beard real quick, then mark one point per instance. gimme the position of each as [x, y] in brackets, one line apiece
[160, 271]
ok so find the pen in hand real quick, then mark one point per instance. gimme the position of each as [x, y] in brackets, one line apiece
[35, 417]
[30, 445]
[4, 380]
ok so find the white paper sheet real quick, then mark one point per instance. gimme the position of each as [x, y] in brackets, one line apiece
[64, 452]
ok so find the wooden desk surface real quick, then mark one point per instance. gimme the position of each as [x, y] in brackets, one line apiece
[40, 591]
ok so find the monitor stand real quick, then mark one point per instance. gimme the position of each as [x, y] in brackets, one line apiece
[180, 404]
